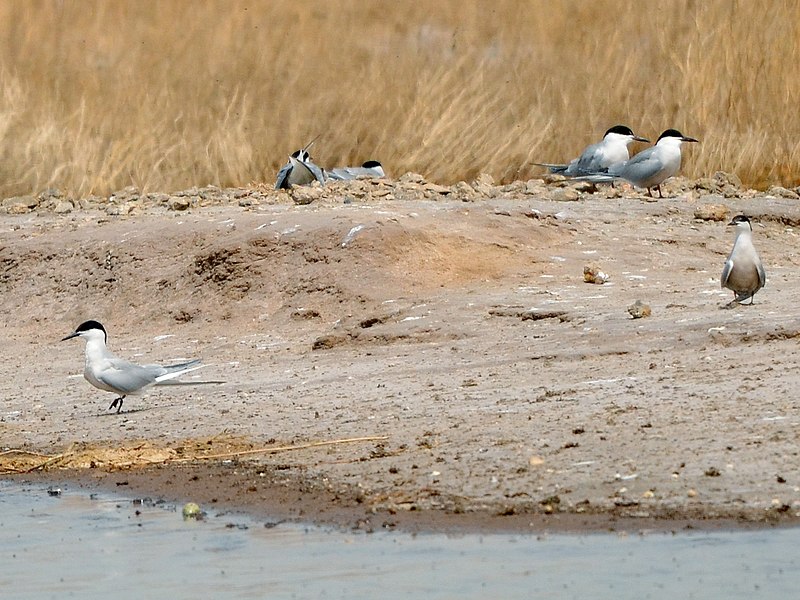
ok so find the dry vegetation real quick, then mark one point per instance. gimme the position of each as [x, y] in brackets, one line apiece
[99, 95]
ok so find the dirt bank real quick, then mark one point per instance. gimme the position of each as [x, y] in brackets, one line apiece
[458, 327]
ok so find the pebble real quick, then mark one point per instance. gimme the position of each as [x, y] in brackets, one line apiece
[639, 310]
[593, 274]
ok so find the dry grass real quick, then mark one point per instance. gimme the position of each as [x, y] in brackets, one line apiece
[95, 96]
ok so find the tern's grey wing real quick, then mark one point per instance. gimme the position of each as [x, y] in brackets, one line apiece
[126, 377]
[762, 274]
[317, 172]
[282, 182]
[339, 174]
[642, 169]
[726, 272]
[590, 161]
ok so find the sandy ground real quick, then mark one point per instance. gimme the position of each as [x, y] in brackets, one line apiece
[461, 331]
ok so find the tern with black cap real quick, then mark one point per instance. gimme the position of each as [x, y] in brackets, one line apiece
[612, 149]
[371, 168]
[300, 170]
[112, 374]
[743, 272]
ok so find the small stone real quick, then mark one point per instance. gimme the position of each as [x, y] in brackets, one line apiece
[178, 203]
[411, 178]
[17, 209]
[464, 192]
[639, 310]
[63, 207]
[303, 195]
[692, 493]
[535, 187]
[436, 189]
[782, 192]
[484, 184]
[566, 194]
[712, 472]
[648, 494]
[26, 201]
[593, 274]
[192, 510]
[536, 461]
[712, 212]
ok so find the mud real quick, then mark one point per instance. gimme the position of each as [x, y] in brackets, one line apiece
[508, 388]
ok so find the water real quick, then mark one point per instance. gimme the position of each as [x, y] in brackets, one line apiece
[76, 546]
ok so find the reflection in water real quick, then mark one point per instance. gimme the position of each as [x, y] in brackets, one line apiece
[75, 546]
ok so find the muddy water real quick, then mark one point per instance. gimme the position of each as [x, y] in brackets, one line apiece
[74, 545]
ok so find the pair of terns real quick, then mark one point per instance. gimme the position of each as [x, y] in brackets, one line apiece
[608, 160]
[301, 170]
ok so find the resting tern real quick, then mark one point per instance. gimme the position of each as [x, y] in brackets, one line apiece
[112, 374]
[612, 149]
[371, 168]
[300, 170]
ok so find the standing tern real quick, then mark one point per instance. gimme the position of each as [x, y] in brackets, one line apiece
[612, 149]
[371, 168]
[743, 272]
[300, 170]
[112, 374]
[651, 167]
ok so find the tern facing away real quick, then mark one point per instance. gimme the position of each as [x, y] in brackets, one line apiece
[743, 272]
[300, 170]
[651, 167]
[371, 168]
[595, 158]
[112, 374]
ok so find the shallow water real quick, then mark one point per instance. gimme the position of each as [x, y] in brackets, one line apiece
[72, 545]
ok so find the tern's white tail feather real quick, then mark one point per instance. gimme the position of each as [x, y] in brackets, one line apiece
[172, 374]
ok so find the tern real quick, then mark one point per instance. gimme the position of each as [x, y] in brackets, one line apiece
[112, 374]
[651, 167]
[595, 158]
[371, 168]
[743, 272]
[300, 170]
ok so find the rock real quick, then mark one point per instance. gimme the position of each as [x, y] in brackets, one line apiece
[782, 192]
[484, 184]
[726, 184]
[192, 510]
[554, 179]
[178, 203]
[305, 194]
[565, 194]
[639, 310]
[63, 207]
[433, 188]
[17, 209]
[593, 274]
[26, 201]
[535, 187]
[583, 186]
[712, 212]
[117, 210]
[411, 178]
[464, 192]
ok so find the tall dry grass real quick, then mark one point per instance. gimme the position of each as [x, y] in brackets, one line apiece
[166, 94]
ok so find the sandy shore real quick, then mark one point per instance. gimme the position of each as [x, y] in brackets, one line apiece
[509, 391]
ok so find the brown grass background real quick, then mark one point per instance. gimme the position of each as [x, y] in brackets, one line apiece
[166, 94]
